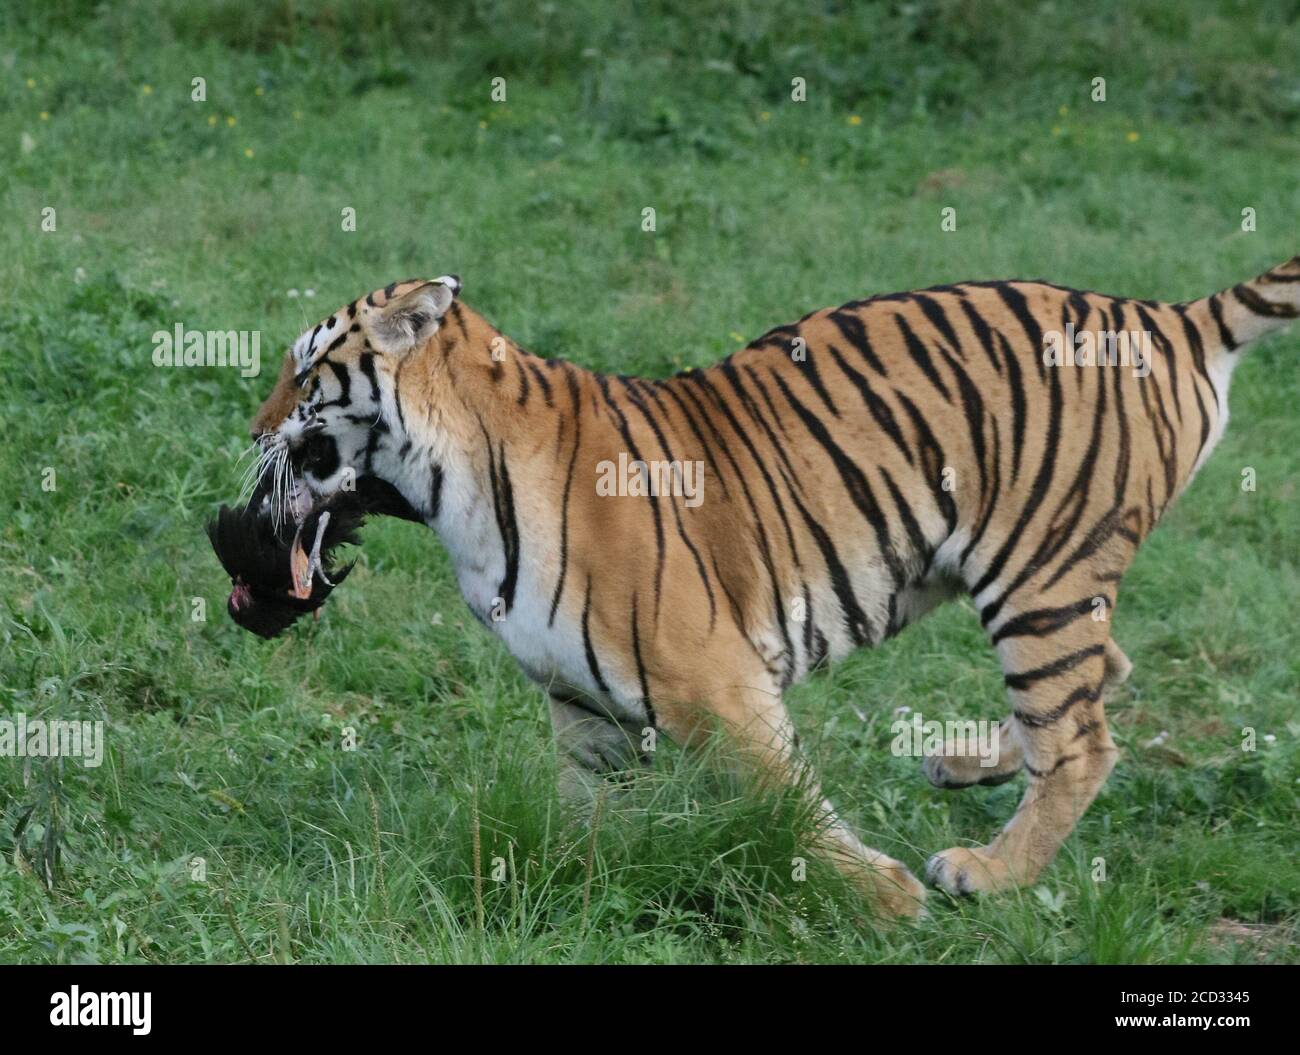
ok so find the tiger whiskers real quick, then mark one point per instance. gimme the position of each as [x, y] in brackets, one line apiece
[253, 470]
[272, 465]
[282, 484]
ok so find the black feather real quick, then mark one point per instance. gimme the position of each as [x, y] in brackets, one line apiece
[257, 558]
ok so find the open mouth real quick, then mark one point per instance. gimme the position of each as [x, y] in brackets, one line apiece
[279, 546]
[280, 572]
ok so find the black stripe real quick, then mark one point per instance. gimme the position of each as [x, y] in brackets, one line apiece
[543, 382]
[1037, 721]
[983, 333]
[855, 619]
[747, 402]
[1171, 357]
[809, 365]
[763, 545]
[1107, 526]
[1225, 335]
[1062, 665]
[1043, 774]
[853, 479]
[1075, 500]
[568, 487]
[1041, 621]
[778, 603]
[1198, 357]
[1276, 274]
[1162, 433]
[640, 667]
[704, 383]
[435, 493]
[1193, 335]
[973, 408]
[669, 391]
[455, 314]
[1014, 300]
[1019, 411]
[1270, 309]
[592, 663]
[995, 490]
[344, 377]
[503, 504]
[639, 403]
[939, 319]
[397, 399]
[1124, 457]
[733, 606]
[933, 461]
[854, 331]
[773, 414]
[1042, 482]
[920, 545]
[1082, 309]
[820, 649]
[660, 549]
[367, 364]
[921, 357]
[879, 408]
[524, 384]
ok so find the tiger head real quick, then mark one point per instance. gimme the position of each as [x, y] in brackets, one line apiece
[334, 421]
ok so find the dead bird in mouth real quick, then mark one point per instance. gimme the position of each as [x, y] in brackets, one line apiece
[278, 547]
[282, 572]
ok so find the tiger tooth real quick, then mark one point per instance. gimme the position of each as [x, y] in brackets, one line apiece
[299, 568]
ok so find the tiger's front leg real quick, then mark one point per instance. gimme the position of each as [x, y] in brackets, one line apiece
[593, 748]
[759, 725]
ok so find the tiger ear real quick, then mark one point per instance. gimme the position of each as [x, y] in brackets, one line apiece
[407, 321]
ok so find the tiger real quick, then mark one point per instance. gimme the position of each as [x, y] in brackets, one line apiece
[857, 468]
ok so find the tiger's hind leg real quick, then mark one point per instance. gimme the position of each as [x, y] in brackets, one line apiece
[954, 769]
[758, 724]
[1055, 682]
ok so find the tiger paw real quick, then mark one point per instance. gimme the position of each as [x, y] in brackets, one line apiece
[962, 870]
[895, 893]
[951, 772]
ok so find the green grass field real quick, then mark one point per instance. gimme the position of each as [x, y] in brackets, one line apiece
[229, 823]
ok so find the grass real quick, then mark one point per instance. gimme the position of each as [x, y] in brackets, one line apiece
[229, 823]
